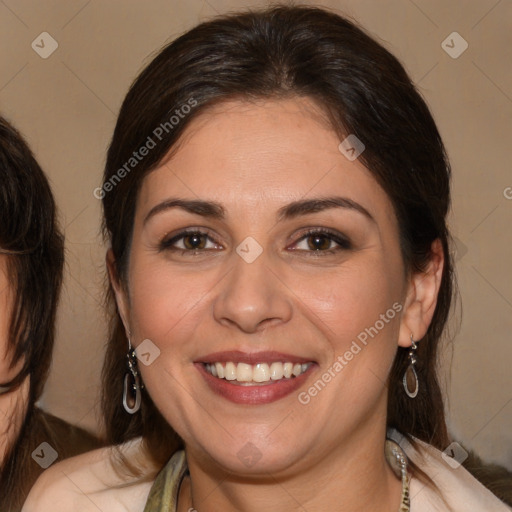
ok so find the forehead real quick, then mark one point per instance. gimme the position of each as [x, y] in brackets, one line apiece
[260, 152]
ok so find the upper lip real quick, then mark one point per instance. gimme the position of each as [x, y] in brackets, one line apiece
[237, 356]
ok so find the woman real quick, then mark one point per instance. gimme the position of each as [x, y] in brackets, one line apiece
[31, 263]
[275, 196]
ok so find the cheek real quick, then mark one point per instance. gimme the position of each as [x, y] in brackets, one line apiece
[164, 303]
[352, 299]
[358, 313]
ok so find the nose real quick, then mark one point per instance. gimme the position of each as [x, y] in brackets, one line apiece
[252, 297]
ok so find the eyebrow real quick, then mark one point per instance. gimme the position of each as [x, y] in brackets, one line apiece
[214, 210]
[307, 206]
[209, 209]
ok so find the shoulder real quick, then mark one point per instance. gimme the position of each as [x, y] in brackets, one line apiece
[456, 487]
[69, 439]
[93, 481]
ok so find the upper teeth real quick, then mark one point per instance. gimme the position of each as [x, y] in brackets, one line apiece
[261, 372]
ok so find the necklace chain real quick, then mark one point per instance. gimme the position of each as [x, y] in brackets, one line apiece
[398, 461]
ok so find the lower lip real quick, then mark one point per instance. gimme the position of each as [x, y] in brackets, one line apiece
[253, 395]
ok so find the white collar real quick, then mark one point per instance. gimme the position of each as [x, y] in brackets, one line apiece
[461, 491]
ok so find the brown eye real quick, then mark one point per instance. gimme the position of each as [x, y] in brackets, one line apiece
[190, 241]
[319, 242]
[195, 241]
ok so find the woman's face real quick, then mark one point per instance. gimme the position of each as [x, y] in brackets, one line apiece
[291, 255]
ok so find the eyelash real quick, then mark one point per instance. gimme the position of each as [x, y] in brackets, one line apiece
[167, 244]
[338, 238]
[342, 242]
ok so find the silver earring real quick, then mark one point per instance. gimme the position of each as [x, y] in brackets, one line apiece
[132, 395]
[410, 380]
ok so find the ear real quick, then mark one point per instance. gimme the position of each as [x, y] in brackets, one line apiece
[421, 298]
[120, 293]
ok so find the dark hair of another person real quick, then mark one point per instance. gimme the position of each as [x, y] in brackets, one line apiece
[35, 256]
[286, 52]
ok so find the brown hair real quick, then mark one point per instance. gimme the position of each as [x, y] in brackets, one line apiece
[30, 237]
[280, 52]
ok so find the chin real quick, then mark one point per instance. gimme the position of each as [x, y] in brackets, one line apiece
[252, 457]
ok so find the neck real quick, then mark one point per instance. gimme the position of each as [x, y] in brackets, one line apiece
[13, 405]
[353, 476]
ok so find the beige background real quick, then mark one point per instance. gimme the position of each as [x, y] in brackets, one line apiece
[66, 106]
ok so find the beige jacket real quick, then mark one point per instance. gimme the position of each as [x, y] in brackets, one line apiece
[460, 491]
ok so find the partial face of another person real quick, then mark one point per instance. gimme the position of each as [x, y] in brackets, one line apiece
[6, 298]
[260, 275]
[10, 412]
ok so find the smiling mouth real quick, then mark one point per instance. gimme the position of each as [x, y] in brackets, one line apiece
[256, 374]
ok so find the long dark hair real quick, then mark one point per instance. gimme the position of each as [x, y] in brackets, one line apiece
[34, 246]
[282, 52]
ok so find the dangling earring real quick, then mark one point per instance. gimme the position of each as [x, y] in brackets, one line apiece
[132, 403]
[410, 381]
